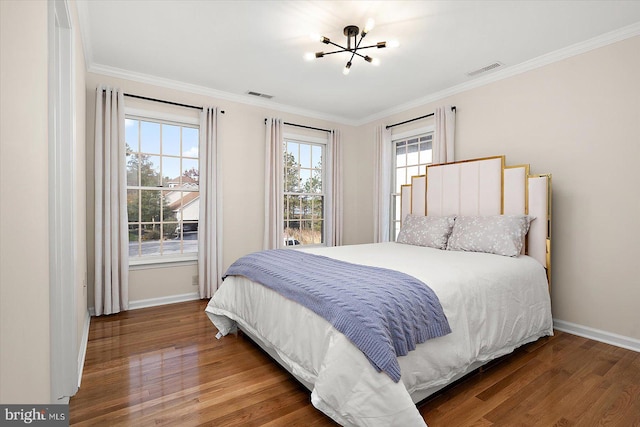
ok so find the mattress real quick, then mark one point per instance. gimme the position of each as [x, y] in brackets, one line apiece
[494, 304]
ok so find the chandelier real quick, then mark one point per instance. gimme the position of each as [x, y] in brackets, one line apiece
[353, 45]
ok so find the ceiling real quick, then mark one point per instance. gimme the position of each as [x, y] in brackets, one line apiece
[228, 48]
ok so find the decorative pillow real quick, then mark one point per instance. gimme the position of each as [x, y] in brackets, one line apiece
[498, 234]
[420, 230]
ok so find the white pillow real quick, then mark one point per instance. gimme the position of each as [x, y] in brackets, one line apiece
[420, 230]
[498, 234]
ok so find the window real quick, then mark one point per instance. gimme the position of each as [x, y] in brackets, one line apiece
[162, 188]
[411, 155]
[304, 192]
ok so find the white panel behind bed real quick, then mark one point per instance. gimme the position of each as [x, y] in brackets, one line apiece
[515, 189]
[465, 188]
[418, 195]
[485, 187]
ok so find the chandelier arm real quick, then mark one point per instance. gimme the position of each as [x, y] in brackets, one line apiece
[346, 50]
[358, 41]
[353, 53]
[360, 55]
[349, 50]
[367, 47]
[337, 45]
[336, 51]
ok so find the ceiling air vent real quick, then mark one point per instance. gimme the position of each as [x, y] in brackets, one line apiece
[260, 95]
[485, 69]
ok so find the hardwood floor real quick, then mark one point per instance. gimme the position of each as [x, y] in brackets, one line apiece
[163, 366]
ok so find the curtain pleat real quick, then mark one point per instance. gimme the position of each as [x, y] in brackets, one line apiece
[111, 236]
[382, 185]
[444, 135]
[334, 201]
[273, 180]
[210, 215]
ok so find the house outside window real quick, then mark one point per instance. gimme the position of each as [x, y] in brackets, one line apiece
[162, 188]
[412, 152]
[304, 190]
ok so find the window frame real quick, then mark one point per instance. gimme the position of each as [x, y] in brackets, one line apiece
[153, 261]
[324, 143]
[394, 195]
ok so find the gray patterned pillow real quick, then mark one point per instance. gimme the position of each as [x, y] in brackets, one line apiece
[498, 234]
[420, 230]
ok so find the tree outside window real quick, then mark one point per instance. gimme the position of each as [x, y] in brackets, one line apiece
[303, 193]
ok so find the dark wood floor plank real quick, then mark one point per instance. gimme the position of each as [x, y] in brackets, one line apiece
[162, 366]
[613, 407]
[489, 376]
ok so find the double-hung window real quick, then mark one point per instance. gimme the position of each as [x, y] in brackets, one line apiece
[412, 152]
[162, 188]
[304, 190]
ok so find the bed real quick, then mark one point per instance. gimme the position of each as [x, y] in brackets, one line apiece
[493, 303]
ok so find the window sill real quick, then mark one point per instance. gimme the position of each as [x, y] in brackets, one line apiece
[162, 262]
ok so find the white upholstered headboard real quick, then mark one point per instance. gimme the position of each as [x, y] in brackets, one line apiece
[485, 187]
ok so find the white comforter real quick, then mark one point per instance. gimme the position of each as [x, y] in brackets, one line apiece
[493, 303]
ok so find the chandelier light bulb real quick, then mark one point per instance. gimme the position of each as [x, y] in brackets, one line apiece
[375, 61]
[347, 69]
[393, 43]
[309, 56]
[368, 26]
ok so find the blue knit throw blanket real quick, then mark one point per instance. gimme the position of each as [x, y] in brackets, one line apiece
[385, 313]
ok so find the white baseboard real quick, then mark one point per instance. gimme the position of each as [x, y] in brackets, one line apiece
[597, 335]
[153, 302]
[83, 345]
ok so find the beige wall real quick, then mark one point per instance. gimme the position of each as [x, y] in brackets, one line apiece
[153, 282]
[24, 254]
[578, 119]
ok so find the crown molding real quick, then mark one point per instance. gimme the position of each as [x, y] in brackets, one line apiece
[214, 93]
[546, 59]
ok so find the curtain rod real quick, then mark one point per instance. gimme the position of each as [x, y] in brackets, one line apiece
[417, 118]
[146, 98]
[162, 101]
[302, 126]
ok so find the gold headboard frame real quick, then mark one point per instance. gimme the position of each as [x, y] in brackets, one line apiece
[485, 186]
